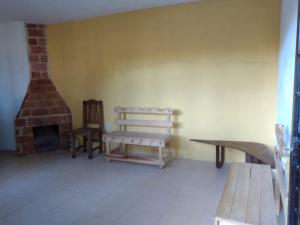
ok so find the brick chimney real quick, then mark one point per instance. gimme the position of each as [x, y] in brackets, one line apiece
[43, 105]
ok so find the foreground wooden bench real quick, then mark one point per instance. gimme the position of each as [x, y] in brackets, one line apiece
[248, 196]
[124, 137]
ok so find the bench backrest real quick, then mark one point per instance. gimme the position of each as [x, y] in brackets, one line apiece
[282, 169]
[123, 122]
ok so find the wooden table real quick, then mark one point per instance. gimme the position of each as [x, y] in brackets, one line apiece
[257, 150]
[247, 197]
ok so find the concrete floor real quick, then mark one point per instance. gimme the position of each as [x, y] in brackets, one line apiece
[54, 189]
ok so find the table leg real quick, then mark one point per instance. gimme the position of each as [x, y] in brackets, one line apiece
[220, 153]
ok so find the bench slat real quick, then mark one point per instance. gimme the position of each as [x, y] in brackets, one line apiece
[253, 212]
[268, 217]
[249, 199]
[229, 190]
[239, 205]
[143, 110]
[145, 123]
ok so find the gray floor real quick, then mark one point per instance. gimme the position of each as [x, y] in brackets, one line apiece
[54, 189]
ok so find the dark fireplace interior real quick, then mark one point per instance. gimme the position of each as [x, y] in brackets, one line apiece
[46, 138]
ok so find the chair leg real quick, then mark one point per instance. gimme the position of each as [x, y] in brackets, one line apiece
[90, 147]
[84, 140]
[100, 143]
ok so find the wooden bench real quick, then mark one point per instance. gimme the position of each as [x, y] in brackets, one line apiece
[248, 196]
[124, 137]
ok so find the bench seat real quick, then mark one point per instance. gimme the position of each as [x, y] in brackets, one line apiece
[137, 138]
[248, 196]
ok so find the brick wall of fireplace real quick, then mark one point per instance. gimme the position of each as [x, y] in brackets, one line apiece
[43, 105]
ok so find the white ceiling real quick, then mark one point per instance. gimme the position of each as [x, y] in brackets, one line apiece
[55, 11]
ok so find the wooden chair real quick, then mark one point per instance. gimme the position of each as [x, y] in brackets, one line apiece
[92, 130]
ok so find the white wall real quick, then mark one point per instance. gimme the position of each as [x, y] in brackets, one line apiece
[14, 79]
[286, 66]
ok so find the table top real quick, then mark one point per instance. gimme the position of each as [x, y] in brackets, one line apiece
[258, 150]
[248, 196]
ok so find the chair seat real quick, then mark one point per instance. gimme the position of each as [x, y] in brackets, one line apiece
[81, 131]
[137, 138]
[85, 131]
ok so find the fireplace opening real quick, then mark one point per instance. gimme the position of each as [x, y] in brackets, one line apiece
[46, 138]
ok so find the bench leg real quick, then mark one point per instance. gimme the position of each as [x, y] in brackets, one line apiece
[220, 153]
[161, 160]
[107, 150]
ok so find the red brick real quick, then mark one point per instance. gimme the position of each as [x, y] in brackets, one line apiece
[44, 58]
[36, 96]
[38, 66]
[51, 88]
[24, 139]
[27, 131]
[44, 75]
[20, 122]
[35, 75]
[40, 82]
[32, 41]
[38, 50]
[33, 122]
[37, 89]
[34, 58]
[42, 42]
[45, 103]
[52, 95]
[25, 112]
[55, 120]
[29, 104]
[40, 112]
[57, 110]
[27, 148]
[35, 32]
[66, 126]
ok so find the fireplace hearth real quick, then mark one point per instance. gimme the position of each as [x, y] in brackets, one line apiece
[45, 138]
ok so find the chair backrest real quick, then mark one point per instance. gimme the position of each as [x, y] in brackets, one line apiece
[123, 122]
[93, 113]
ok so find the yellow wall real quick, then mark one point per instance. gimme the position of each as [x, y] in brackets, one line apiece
[213, 61]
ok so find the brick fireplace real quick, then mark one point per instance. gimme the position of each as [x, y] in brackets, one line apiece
[44, 115]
